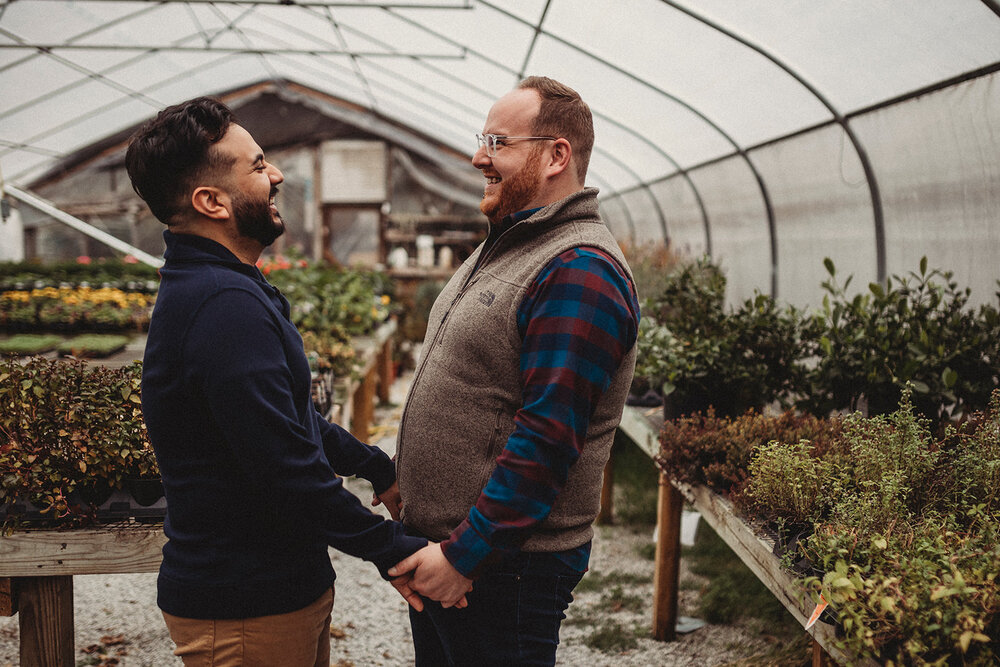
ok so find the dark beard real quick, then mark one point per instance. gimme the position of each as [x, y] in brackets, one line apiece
[254, 220]
[516, 192]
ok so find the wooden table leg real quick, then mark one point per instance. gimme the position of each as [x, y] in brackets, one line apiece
[363, 407]
[668, 560]
[820, 658]
[8, 597]
[385, 374]
[45, 605]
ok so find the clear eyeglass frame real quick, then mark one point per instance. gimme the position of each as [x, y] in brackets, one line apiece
[490, 141]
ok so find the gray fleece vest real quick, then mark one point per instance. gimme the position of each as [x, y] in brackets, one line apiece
[467, 385]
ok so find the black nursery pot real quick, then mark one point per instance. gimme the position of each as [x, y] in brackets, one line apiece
[145, 491]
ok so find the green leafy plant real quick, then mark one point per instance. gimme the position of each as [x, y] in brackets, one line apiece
[29, 344]
[703, 355]
[904, 527]
[329, 351]
[325, 297]
[787, 484]
[66, 431]
[916, 328]
[716, 451]
[92, 346]
[125, 274]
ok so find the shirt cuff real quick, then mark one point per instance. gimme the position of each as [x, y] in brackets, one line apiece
[468, 552]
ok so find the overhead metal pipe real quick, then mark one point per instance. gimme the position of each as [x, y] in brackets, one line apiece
[765, 196]
[51, 209]
[866, 166]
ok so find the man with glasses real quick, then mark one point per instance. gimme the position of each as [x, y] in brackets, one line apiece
[521, 383]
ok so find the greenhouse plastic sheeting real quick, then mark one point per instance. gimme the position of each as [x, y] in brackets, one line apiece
[768, 134]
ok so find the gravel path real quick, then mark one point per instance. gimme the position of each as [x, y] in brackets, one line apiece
[117, 620]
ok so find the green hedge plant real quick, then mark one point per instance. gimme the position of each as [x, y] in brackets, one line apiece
[702, 354]
[69, 433]
[916, 329]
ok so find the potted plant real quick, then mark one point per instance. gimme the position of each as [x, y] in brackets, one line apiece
[703, 354]
[69, 435]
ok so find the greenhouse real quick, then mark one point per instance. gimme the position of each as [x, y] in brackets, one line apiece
[807, 195]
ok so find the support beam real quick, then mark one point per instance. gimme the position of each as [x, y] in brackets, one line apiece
[49, 208]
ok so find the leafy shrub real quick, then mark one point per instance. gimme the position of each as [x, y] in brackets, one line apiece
[891, 469]
[329, 351]
[325, 297]
[702, 355]
[905, 530]
[67, 428]
[972, 451]
[787, 484]
[124, 274]
[716, 451]
[915, 329]
[929, 597]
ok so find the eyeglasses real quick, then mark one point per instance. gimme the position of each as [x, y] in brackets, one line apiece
[491, 141]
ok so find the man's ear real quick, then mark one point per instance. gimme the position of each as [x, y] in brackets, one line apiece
[211, 202]
[560, 155]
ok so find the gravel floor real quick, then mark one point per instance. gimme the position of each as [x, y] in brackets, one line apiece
[117, 622]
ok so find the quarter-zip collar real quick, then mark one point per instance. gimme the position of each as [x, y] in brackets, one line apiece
[190, 248]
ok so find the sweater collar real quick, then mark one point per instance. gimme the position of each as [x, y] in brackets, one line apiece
[199, 249]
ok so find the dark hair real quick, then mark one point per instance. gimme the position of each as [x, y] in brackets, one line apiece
[563, 113]
[170, 153]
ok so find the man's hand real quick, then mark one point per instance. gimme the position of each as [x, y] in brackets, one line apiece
[434, 577]
[403, 585]
[391, 499]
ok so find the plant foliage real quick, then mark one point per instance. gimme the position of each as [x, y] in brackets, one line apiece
[915, 329]
[701, 354]
[902, 536]
[67, 428]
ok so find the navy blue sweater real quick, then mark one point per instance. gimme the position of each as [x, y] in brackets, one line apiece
[248, 464]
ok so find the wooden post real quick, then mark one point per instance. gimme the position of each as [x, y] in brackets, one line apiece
[384, 365]
[820, 658]
[46, 622]
[607, 513]
[668, 560]
[363, 406]
[8, 597]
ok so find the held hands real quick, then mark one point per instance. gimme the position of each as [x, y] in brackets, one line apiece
[391, 499]
[427, 572]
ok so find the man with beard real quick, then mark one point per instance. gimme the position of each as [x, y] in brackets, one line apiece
[522, 380]
[249, 466]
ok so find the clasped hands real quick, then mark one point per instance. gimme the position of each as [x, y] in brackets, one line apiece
[426, 572]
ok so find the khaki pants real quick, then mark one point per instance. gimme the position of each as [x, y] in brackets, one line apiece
[296, 639]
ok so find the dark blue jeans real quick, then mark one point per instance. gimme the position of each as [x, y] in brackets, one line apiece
[513, 617]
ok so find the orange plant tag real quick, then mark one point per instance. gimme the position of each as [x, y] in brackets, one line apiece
[820, 606]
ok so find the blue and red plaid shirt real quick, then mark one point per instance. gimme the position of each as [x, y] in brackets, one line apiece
[577, 322]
